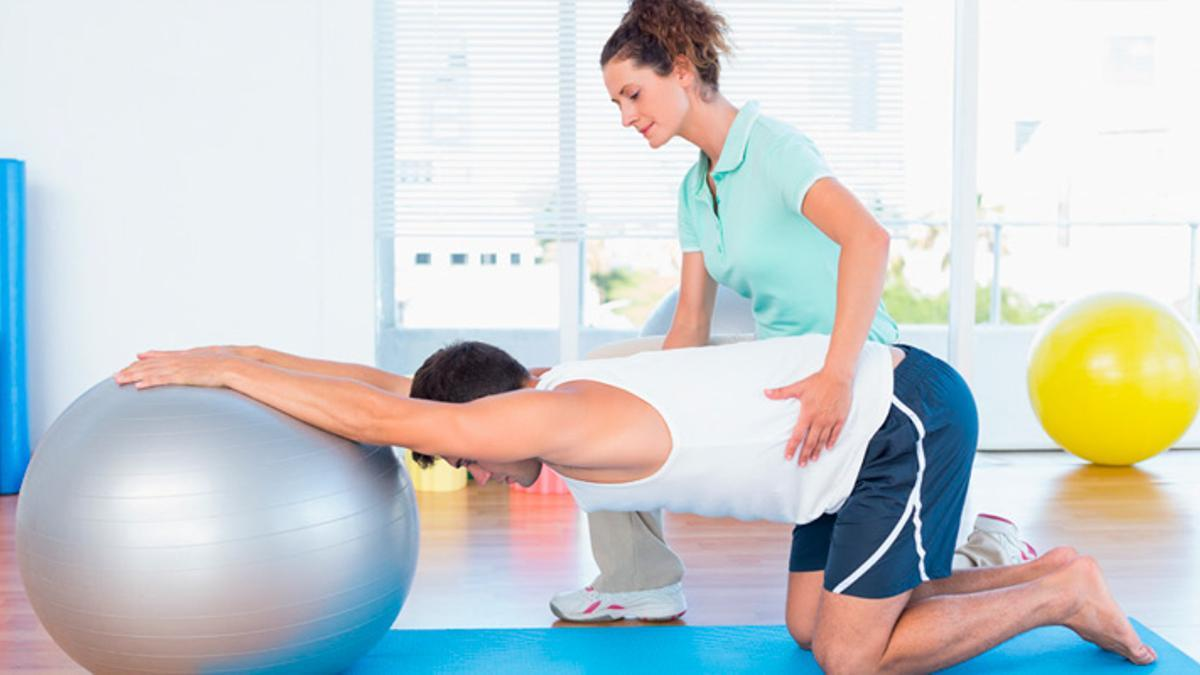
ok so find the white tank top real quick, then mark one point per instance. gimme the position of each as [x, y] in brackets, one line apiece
[728, 438]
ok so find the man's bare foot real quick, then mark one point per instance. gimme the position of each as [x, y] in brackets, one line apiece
[1097, 617]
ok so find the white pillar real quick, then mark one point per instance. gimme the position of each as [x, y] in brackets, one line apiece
[963, 201]
[570, 221]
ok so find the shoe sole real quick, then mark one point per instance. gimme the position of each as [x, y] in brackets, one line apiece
[609, 618]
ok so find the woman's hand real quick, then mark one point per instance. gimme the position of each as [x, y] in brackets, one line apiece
[824, 404]
[199, 367]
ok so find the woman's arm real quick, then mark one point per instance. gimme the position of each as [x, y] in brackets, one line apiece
[694, 308]
[825, 396]
[862, 267]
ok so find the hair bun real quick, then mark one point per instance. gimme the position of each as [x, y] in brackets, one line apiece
[656, 32]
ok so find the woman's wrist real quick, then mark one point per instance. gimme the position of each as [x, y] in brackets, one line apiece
[686, 336]
[840, 369]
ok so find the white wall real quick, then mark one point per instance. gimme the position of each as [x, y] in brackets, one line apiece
[199, 172]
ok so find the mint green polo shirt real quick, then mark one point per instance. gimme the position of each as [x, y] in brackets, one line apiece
[758, 242]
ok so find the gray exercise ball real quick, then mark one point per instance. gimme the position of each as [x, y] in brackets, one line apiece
[182, 529]
[732, 314]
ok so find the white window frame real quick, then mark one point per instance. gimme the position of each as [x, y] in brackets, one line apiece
[963, 226]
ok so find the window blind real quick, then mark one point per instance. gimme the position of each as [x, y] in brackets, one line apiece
[493, 118]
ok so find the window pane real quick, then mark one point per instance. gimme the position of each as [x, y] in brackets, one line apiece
[512, 306]
[626, 279]
[917, 289]
[448, 293]
[1044, 267]
[1088, 152]
[1101, 131]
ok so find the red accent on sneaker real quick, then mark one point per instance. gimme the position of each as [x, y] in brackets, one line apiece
[589, 589]
[614, 607]
[995, 517]
[592, 607]
[1032, 551]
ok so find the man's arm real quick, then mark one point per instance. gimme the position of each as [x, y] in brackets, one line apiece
[339, 405]
[508, 427]
[397, 384]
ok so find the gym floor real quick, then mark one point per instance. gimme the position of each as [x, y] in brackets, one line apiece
[491, 558]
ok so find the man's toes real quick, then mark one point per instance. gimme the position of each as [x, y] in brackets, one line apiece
[1145, 655]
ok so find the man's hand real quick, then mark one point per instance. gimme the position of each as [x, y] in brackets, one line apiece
[824, 406]
[200, 367]
[241, 351]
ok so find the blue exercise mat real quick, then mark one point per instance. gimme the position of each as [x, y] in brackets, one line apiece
[711, 649]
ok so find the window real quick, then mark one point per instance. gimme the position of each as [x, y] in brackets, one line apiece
[1086, 155]
[424, 258]
[487, 258]
[1130, 60]
[589, 203]
[458, 258]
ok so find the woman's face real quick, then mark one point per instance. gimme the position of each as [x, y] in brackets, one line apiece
[650, 103]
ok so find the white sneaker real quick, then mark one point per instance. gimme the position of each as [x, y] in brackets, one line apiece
[995, 541]
[590, 605]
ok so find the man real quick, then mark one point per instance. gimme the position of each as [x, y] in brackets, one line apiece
[870, 588]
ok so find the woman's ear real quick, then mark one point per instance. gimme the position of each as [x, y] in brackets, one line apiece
[683, 71]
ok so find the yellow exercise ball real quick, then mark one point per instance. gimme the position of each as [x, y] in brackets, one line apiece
[1114, 378]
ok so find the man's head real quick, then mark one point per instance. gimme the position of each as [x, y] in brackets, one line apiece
[462, 372]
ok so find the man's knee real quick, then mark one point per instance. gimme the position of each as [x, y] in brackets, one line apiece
[801, 631]
[1059, 556]
[842, 657]
[803, 604]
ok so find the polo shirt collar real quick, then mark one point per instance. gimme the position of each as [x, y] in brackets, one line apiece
[734, 150]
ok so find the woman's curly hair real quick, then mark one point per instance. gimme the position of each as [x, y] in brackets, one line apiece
[655, 32]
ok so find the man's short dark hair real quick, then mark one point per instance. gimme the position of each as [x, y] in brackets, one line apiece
[462, 372]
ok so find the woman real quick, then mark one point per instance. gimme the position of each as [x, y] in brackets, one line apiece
[761, 213]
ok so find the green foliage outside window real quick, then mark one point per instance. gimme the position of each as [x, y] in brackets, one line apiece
[909, 305]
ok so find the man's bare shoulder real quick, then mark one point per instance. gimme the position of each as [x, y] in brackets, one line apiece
[615, 430]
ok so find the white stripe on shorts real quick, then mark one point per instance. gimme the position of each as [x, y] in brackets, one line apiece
[912, 507]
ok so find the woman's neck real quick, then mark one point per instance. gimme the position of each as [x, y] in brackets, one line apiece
[708, 125]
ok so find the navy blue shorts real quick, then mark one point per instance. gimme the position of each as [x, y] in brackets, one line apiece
[899, 526]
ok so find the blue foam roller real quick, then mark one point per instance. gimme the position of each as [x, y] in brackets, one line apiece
[14, 409]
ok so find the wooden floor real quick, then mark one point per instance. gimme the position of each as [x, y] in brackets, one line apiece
[491, 558]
